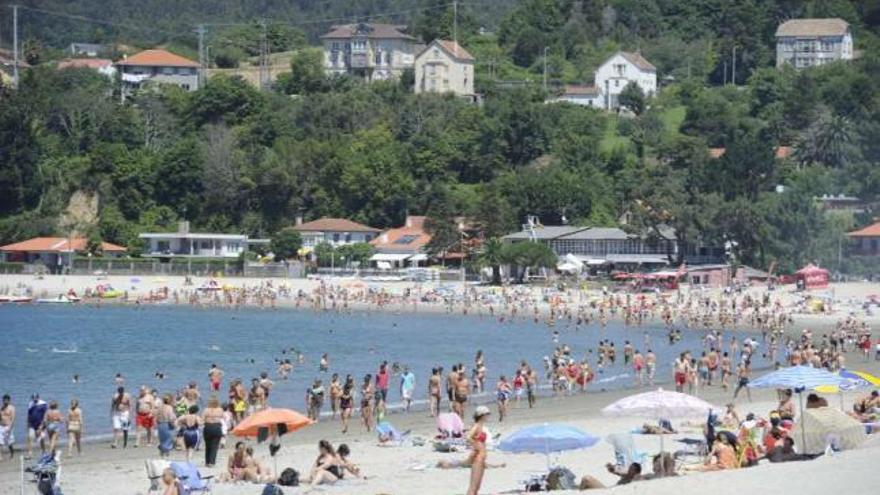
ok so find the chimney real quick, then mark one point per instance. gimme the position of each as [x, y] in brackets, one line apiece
[299, 220]
[183, 227]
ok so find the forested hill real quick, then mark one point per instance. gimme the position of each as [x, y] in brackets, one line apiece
[231, 158]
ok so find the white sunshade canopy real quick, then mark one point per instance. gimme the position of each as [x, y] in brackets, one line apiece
[389, 256]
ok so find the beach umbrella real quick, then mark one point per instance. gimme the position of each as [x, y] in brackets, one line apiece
[272, 423]
[450, 422]
[547, 439]
[826, 425]
[798, 378]
[659, 404]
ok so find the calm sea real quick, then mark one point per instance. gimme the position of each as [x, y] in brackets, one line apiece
[43, 347]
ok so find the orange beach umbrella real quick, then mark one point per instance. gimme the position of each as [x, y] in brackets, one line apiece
[271, 420]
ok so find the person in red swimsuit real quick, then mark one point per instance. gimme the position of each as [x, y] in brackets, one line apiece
[477, 440]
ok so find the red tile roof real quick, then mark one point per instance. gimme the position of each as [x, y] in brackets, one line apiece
[872, 230]
[415, 227]
[454, 49]
[781, 152]
[157, 58]
[334, 225]
[576, 90]
[56, 245]
[89, 63]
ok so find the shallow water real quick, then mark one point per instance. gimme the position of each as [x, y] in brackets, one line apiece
[44, 346]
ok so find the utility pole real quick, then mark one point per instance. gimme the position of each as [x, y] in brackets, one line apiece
[455, 25]
[733, 70]
[545, 67]
[202, 58]
[724, 77]
[15, 46]
[264, 58]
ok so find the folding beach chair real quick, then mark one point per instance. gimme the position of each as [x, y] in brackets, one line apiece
[190, 478]
[389, 435]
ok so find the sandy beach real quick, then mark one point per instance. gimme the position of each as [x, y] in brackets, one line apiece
[410, 469]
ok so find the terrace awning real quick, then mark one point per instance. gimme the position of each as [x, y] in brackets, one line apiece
[395, 257]
[418, 257]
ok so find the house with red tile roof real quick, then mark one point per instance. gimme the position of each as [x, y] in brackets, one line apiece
[53, 252]
[621, 69]
[402, 246]
[334, 231]
[445, 67]
[158, 67]
[101, 65]
[866, 241]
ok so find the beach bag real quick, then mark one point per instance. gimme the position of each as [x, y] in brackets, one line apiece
[561, 478]
[289, 477]
[272, 490]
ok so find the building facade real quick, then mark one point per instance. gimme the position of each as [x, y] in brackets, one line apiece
[444, 67]
[184, 243]
[804, 43]
[371, 52]
[610, 79]
[157, 66]
[402, 246]
[866, 241]
[334, 231]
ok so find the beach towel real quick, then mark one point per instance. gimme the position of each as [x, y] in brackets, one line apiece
[190, 477]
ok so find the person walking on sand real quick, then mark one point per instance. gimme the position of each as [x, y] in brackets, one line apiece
[434, 391]
[145, 419]
[36, 411]
[215, 375]
[451, 381]
[75, 422]
[367, 397]
[335, 392]
[120, 416]
[503, 393]
[212, 418]
[462, 388]
[189, 425]
[407, 387]
[52, 425]
[476, 438]
[382, 380]
[346, 404]
[743, 372]
[7, 425]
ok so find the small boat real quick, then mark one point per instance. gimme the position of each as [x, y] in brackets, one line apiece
[21, 299]
[61, 299]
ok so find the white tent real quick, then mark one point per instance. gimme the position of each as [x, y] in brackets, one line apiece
[825, 426]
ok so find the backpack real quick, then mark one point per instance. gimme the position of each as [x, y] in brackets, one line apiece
[289, 477]
[272, 490]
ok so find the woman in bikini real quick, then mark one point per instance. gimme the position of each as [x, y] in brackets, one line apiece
[434, 391]
[477, 440]
[335, 393]
[52, 425]
[346, 405]
[502, 390]
[327, 469]
[189, 426]
[367, 402]
[74, 428]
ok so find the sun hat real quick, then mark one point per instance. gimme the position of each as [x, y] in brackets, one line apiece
[481, 411]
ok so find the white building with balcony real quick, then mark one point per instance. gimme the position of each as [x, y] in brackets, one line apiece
[334, 231]
[184, 243]
[805, 43]
[369, 51]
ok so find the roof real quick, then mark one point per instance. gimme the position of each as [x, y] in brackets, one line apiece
[453, 49]
[409, 238]
[781, 152]
[373, 31]
[598, 233]
[576, 90]
[545, 232]
[638, 60]
[157, 58]
[813, 27]
[57, 244]
[334, 225]
[89, 63]
[192, 235]
[872, 230]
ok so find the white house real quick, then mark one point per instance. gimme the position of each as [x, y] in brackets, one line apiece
[621, 69]
[444, 67]
[157, 66]
[610, 78]
[334, 231]
[184, 243]
[101, 65]
[810, 42]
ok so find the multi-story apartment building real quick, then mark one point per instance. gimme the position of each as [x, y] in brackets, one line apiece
[369, 51]
[157, 66]
[806, 43]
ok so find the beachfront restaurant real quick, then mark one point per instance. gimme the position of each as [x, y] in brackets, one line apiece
[53, 253]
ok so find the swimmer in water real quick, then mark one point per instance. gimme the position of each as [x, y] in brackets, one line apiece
[75, 378]
[119, 380]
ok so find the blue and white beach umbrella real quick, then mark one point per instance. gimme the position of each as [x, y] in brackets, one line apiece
[547, 439]
[798, 378]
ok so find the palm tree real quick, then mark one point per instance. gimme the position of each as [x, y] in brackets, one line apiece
[493, 255]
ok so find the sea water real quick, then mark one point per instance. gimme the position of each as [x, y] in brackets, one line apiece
[45, 346]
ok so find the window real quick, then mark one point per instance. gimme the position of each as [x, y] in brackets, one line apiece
[347, 237]
[388, 57]
[336, 237]
[231, 247]
[377, 57]
[168, 71]
[163, 246]
[335, 46]
[406, 239]
[617, 83]
[436, 52]
[620, 68]
[358, 45]
[206, 244]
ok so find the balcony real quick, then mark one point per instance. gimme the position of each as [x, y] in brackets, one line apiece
[360, 60]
